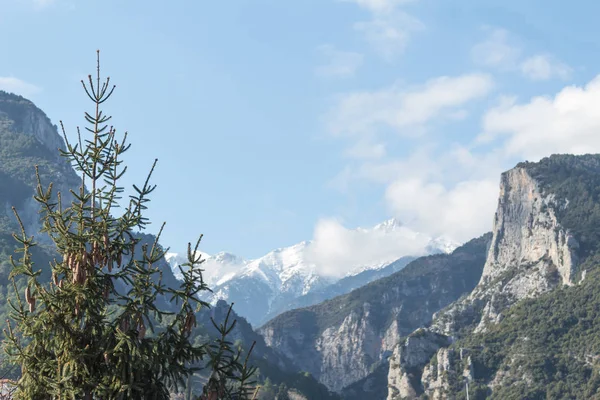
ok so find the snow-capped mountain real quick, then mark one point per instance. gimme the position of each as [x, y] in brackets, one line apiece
[217, 268]
[271, 283]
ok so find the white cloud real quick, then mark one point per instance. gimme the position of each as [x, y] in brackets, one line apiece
[18, 86]
[569, 122]
[406, 111]
[340, 64]
[461, 212]
[458, 195]
[419, 163]
[338, 250]
[544, 67]
[454, 190]
[423, 202]
[501, 50]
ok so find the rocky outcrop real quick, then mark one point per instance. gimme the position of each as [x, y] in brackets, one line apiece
[435, 375]
[22, 116]
[531, 253]
[527, 233]
[341, 340]
[408, 360]
[33, 141]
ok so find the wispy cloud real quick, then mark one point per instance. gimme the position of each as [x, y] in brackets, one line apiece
[453, 190]
[338, 64]
[419, 189]
[502, 50]
[389, 28]
[497, 50]
[18, 86]
[389, 33]
[544, 67]
[406, 110]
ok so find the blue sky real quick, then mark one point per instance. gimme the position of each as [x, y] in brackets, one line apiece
[279, 121]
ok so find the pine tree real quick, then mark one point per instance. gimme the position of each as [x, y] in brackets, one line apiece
[80, 336]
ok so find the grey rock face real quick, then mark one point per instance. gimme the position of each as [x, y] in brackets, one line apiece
[410, 357]
[531, 253]
[434, 378]
[19, 116]
[527, 232]
[27, 119]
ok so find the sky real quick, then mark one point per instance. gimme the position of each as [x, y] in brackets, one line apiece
[277, 121]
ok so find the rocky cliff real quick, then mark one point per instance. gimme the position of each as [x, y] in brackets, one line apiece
[532, 252]
[20, 115]
[341, 340]
[544, 239]
[28, 139]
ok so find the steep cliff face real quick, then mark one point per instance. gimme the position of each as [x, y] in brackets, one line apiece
[408, 357]
[28, 139]
[341, 340]
[531, 253]
[20, 115]
[545, 237]
[526, 231]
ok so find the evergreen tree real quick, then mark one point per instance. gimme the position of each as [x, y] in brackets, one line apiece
[79, 336]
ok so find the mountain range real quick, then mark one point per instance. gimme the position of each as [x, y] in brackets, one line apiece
[291, 277]
[512, 314]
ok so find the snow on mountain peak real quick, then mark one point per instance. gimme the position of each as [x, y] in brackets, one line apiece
[290, 272]
[298, 261]
[224, 257]
[215, 268]
[390, 225]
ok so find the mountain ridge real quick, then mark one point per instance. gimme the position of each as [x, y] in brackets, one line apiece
[289, 276]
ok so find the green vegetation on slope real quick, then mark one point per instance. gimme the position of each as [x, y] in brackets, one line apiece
[548, 347]
[575, 182]
[545, 348]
